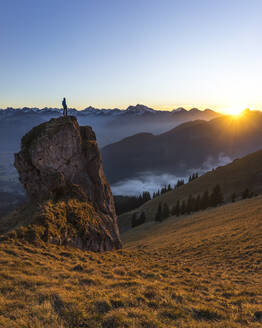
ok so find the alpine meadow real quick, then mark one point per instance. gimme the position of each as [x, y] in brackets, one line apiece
[130, 164]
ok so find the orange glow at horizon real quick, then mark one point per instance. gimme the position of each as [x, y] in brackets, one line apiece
[234, 111]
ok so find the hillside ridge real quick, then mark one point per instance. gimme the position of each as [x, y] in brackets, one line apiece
[234, 177]
[202, 270]
[183, 148]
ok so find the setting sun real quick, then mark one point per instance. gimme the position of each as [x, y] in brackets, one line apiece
[235, 111]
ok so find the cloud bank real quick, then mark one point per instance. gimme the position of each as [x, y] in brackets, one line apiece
[151, 182]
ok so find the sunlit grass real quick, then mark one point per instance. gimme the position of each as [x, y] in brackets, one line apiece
[202, 270]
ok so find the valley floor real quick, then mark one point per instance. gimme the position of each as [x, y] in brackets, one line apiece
[202, 270]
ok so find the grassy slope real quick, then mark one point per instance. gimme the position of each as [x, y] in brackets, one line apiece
[234, 177]
[202, 270]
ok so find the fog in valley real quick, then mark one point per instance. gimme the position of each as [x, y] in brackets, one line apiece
[151, 182]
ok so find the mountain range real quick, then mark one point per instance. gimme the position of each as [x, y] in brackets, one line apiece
[188, 146]
[110, 125]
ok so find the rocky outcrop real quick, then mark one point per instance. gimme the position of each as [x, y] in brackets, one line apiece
[60, 167]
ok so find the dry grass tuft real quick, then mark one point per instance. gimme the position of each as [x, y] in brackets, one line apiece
[203, 270]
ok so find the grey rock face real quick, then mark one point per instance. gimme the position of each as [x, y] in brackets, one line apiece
[60, 160]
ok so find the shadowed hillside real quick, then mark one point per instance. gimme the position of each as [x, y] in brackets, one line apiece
[242, 173]
[186, 147]
[202, 270]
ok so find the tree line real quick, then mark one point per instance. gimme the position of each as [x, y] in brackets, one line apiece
[190, 205]
[128, 203]
[246, 193]
[179, 183]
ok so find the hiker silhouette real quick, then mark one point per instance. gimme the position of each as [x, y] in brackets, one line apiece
[64, 107]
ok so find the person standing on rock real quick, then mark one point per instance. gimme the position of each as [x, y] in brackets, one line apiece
[64, 107]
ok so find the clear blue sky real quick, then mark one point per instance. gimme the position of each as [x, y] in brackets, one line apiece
[113, 53]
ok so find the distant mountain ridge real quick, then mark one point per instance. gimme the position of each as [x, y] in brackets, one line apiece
[90, 110]
[183, 148]
[110, 125]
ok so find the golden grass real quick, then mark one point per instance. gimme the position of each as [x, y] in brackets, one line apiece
[202, 270]
[51, 221]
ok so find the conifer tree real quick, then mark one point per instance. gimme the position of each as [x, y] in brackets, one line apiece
[183, 207]
[165, 211]
[197, 203]
[133, 223]
[142, 218]
[245, 193]
[173, 210]
[205, 200]
[216, 196]
[233, 197]
[189, 204]
[193, 204]
[146, 196]
[158, 216]
[178, 208]
[180, 183]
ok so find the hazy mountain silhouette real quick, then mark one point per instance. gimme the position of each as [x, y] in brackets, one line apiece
[110, 125]
[185, 147]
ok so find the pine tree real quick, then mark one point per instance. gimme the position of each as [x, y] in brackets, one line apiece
[197, 203]
[189, 204]
[133, 223]
[158, 216]
[178, 208]
[180, 183]
[233, 197]
[216, 196]
[163, 190]
[245, 193]
[146, 196]
[205, 200]
[193, 204]
[173, 210]
[183, 208]
[142, 218]
[165, 211]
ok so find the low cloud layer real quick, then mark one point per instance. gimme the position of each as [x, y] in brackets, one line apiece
[212, 163]
[152, 182]
[147, 182]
